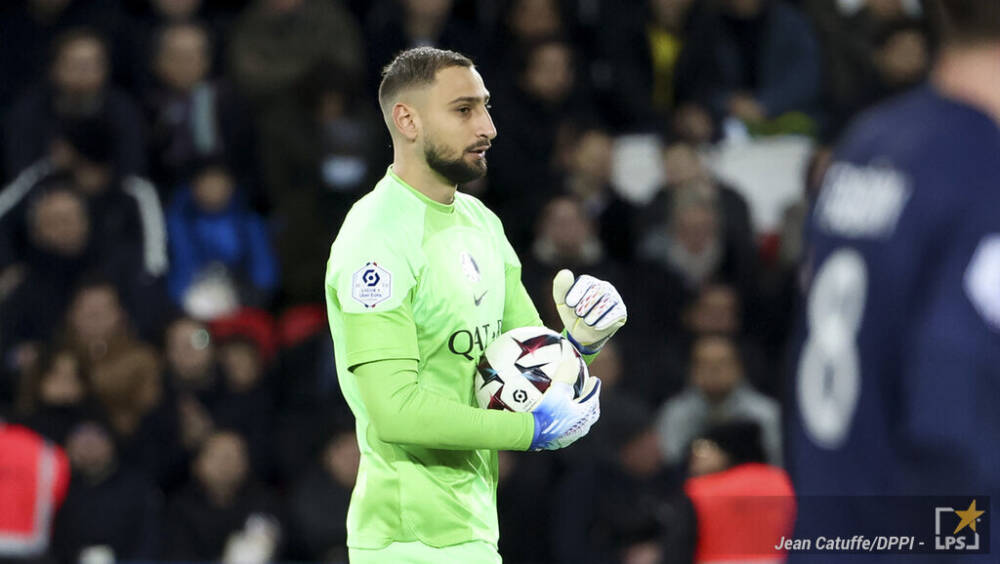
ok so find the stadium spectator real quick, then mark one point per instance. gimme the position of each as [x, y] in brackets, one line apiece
[146, 24]
[317, 156]
[221, 502]
[127, 506]
[690, 244]
[526, 22]
[125, 236]
[718, 309]
[538, 105]
[191, 365]
[34, 477]
[565, 239]
[29, 28]
[717, 393]
[128, 386]
[643, 44]
[54, 393]
[216, 239]
[902, 58]
[77, 88]
[752, 60]
[319, 500]
[402, 24]
[588, 178]
[275, 42]
[684, 168]
[309, 399]
[125, 213]
[729, 481]
[41, 285]
[620, 522]
[246, 346]
[192, 115]
[96, 324]
[683, 165]
[248, 402]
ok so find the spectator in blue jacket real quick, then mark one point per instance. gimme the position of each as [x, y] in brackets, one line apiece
[218, 244]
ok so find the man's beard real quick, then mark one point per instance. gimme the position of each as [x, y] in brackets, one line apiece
[456, 171]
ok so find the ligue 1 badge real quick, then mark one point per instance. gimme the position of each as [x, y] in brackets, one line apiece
[371, 285]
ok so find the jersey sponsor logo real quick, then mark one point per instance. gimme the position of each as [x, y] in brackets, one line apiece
[470, 268]
[982, 280]
[861, 201]
[470, 343]
[371, 285]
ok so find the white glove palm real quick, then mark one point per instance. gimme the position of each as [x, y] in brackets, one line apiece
[591, 310]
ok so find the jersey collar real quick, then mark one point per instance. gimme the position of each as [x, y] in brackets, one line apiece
[438, 206]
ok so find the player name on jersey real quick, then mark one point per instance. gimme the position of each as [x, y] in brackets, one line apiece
[861, 201]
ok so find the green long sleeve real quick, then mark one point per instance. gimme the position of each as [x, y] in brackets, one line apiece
[402, 412]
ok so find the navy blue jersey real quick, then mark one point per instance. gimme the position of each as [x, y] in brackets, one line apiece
[896, 375]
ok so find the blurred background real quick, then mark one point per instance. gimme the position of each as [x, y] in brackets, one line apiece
[175, 171]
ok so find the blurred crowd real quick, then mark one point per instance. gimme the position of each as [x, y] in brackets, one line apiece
[175, 171]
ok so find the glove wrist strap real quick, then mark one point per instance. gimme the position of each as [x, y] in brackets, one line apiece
[594, 348]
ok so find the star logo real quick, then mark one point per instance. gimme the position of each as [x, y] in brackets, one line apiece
[968, 517]
[531, 345]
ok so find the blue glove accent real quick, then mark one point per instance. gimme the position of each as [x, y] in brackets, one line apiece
[593, 349]
[560, 421]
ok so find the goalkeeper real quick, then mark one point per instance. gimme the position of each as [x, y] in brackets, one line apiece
[420, 280]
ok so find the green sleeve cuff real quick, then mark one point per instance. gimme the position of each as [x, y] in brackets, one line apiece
[369, 337]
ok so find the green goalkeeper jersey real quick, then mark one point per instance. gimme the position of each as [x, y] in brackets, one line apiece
[413, 279]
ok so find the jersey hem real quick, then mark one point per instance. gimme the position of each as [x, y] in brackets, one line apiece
[442, 542]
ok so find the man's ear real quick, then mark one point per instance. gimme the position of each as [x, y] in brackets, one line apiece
[406, 121]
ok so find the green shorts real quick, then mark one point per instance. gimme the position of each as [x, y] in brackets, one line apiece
[473, 552]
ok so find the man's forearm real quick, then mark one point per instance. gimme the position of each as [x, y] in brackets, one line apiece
[402, 412]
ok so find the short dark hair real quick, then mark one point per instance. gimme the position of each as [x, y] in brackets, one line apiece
[964, 21]
[740, 439]
[417, 67]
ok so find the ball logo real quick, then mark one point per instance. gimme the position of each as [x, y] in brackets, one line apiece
[520, 396]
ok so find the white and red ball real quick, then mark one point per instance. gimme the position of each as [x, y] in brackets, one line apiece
[517, 369]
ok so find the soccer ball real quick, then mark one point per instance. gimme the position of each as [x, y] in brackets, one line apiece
[519, 366]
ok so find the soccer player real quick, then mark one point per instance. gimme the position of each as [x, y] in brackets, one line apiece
[420, 280]
[897, 377]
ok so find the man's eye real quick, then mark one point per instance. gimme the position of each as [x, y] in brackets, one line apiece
[464, 110]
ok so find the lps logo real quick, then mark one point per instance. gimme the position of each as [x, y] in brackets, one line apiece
[958, 532]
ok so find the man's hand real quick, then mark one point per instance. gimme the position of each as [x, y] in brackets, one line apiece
[591, 310]
[560, 421]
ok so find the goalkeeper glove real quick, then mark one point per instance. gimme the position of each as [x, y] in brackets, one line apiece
[591, 310]
[560, 421]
